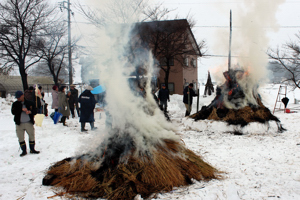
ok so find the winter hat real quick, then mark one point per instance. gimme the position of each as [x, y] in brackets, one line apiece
[18, 94]
[88, 87]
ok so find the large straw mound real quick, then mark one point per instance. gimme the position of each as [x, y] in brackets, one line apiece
[242, 116]
[171, 165]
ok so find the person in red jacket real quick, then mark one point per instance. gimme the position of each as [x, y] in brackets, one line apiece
[24, 111]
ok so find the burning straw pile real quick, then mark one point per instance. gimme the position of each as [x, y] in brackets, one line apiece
[115, 175]
[236, 103]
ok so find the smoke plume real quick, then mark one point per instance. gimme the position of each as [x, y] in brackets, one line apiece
[253, 19]
[119, 55]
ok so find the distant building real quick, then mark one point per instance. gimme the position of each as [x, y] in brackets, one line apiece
[184, 67]
[11, 84]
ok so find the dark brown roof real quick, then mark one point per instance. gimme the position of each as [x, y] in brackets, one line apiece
[171, 25]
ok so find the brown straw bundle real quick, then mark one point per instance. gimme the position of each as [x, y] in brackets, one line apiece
[171, 165]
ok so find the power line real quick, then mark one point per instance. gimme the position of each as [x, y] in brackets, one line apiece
[219, 2]
[241, 27]
[217, 26]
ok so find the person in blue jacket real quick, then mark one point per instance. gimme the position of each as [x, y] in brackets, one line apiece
[87, 105]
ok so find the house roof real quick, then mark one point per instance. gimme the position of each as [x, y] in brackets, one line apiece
[170, 25]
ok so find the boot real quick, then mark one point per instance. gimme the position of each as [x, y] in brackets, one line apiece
[82, 127]
[32, 150]
[92, 126]
[186, 113]
[23, 147]
[63, 120]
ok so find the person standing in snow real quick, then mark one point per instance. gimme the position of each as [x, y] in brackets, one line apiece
[24, 111]
[87, 105]
[63, 105]
[55, 98]
[188, 94]
[71, 101]
[41, 101]
[163, 97]
[74, 93]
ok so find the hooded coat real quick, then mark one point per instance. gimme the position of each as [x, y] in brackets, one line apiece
[63, 104]
[87, 104]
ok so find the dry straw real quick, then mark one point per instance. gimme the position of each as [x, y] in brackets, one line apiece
[171, 165]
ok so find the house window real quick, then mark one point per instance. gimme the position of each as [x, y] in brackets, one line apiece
[186, 61]
[193, 62]
[163, 61]
[171, 88]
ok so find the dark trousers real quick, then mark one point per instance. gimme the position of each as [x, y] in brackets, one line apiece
[163, 105]
[72, 111]
[77, 108]
[63, 120]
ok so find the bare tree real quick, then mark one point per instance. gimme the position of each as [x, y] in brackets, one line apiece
[22, 23]
[169, 40]
[54, 50]
[156, 13]
[60, 72]
[289, 59]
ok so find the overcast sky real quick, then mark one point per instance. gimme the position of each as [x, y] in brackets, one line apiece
[212, 24]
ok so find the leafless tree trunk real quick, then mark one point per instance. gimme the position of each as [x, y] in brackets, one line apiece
[22, 23]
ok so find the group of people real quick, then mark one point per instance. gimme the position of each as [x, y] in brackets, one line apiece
[66, 103]
[163, 98]
[28, 104]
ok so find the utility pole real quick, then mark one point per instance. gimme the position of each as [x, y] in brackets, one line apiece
[62, 5]
[230, 36]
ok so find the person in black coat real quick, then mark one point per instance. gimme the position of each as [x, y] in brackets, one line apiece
[24, 111]
[74, 93]
[188, 94]
[71, 101]
[87, 104]
[163, 97]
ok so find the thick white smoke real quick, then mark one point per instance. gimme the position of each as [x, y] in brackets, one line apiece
[249, 42]
[131, 114]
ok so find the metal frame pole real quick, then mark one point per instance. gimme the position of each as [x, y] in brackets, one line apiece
[230, 36]
[69, 45]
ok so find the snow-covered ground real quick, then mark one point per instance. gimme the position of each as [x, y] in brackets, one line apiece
[261, 164]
